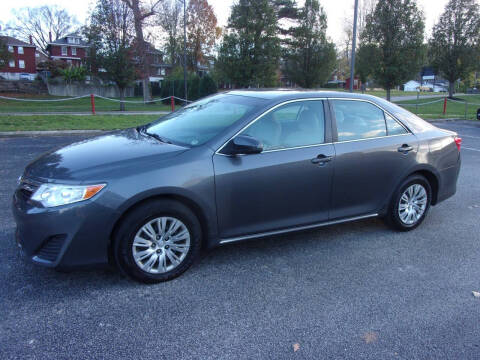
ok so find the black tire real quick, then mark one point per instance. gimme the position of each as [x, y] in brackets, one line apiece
[139, 216]
[392, 217]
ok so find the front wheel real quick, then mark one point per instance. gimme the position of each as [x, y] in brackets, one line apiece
[157, 241]
[410, 203]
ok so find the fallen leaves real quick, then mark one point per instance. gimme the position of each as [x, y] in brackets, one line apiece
[370, 337]
[476, 294]
[296, 347]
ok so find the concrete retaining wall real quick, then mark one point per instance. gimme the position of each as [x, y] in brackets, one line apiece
[83, 89]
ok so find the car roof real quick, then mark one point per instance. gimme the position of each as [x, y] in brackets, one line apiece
[288, 94]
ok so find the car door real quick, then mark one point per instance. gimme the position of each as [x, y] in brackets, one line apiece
[288, 183]
[373, 152]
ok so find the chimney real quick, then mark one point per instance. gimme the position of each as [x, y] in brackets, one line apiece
[31, 40]
[50, 36]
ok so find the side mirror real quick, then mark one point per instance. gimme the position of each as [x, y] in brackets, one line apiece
[243, 145]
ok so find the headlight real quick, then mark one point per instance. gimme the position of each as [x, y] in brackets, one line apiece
[50, 195]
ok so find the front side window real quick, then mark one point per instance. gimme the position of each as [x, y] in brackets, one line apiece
[20, 49]
[202, 120]
[64, 50]
[21, 64]
[299, 123]
[358, 120]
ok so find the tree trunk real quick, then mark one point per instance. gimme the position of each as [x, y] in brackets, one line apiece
[122, 98]
[451, 88]
[388, 94]
[141, 51]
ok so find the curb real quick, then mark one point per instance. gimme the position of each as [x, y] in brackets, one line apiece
[94, 132]
[460, 121]
[51, 133]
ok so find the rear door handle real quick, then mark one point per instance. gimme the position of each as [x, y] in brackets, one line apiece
[405, 148]
[322, 159]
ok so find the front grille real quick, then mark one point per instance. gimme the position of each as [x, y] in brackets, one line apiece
[51, 248]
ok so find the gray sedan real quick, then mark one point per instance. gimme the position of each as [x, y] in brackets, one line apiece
[231, 167]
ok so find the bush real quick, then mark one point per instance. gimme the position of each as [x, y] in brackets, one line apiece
[207, 86]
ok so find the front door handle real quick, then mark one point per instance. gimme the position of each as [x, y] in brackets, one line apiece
[322, 159]
[405, 148]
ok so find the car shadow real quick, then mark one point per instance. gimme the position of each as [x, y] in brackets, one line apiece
[30, 281]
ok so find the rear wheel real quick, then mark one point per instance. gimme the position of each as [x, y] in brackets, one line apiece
[410, 203]
[158, 241]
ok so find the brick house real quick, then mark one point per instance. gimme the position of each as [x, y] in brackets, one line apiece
[158, 69]
[71, 49]
[22, 63]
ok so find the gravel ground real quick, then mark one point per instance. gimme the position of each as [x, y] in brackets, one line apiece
[349, 291]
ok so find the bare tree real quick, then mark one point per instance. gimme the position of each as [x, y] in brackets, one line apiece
[141, 11]
[365, 8]
[170, 19]
[40, 22]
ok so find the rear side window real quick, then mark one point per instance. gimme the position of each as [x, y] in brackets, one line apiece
[358, 120]
[299, 123]
[393, 127]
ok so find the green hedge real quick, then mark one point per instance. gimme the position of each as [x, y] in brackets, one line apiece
[196, 87]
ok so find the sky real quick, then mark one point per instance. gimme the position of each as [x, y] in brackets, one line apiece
[336, 11]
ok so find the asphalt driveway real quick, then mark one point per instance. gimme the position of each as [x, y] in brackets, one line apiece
[349, 291]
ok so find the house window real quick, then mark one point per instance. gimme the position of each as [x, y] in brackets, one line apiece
[21, 64]
[64, 50]
[11, 63]
[74, 51]
[70, 40]
[162, 71]
[10, 48]
[20, 49]
[77, 41]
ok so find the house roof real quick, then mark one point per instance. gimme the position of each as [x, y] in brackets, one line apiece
[15, 42]
[64, 41]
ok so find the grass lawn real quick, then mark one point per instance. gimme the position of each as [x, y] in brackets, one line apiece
[72, 122]
[435, 110]
[77, 105]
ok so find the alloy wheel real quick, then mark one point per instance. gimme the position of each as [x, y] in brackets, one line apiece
[412, 204]
[161, 245]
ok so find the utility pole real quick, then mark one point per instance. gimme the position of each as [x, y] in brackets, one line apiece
[354, 44]
[185, 48]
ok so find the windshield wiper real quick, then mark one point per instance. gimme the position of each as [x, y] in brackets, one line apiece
[158, 137]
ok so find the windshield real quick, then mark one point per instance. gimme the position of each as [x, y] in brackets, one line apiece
[200, 121]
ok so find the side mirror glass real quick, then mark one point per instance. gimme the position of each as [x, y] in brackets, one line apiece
[243, 145]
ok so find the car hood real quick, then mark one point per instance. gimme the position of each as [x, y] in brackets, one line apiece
[102, 157]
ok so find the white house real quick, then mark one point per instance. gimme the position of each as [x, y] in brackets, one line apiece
[412, 85]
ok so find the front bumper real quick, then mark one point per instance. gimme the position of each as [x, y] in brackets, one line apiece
[65, 236]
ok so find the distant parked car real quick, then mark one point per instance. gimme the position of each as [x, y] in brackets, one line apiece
[231, 167]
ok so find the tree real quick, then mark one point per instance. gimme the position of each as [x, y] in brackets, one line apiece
[40, 22]
[454, 46]
[202, 31]
[169, 19]
[140, 14]
[5, 55]
[394, 33]
[111, 28]
[250, 50]
[310, 57]
[366, 61]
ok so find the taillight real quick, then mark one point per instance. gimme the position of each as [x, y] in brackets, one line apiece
[458, 142]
